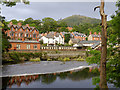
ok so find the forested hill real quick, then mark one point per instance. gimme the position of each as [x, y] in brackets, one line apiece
[78, 19]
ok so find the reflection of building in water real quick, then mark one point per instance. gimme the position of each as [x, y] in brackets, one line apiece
[74, 75]
[19, 79]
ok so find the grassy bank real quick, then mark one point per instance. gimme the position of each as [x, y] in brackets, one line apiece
[18, 57]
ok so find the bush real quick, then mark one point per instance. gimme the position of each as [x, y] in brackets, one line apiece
[66, 59]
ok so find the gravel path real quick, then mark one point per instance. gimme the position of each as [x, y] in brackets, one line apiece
[42, 67]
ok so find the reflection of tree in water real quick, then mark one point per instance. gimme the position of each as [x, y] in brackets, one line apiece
[5, 82]
[81, 75]
[48, 78]
[63, 75]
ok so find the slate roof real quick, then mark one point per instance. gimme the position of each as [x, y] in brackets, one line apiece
[95, 45]
[88, 42]
[24, 27]
[93, 35]
[75, 40]
[79, 34]
[50, 35]
[26, 41]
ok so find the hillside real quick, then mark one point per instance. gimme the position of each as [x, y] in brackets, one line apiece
[78, 19]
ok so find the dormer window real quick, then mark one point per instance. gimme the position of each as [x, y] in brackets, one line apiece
[21, 29]
[16, 29]
[12, 29]
[27, 30]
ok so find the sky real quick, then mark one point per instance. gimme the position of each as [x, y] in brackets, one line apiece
[56, 10]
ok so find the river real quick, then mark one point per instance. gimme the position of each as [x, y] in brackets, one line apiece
[49, 74]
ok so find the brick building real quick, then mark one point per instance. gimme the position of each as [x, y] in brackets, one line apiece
[80, 36]
[95, 36]
[19, 32]
[23, 38]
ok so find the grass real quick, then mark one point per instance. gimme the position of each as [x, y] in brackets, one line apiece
[35, 60]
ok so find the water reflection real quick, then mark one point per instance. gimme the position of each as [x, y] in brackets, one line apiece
[48, 78]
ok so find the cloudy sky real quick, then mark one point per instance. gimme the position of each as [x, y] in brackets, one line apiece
[56, 10]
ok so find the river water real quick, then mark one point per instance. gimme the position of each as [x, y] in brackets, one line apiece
[46, 74]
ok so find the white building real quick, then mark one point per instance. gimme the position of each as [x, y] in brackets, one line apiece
[52, 38]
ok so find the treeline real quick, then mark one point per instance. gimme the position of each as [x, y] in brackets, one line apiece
[49, 24]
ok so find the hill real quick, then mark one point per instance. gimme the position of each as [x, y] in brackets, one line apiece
[78, 19]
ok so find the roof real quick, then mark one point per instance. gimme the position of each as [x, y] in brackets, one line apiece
[93, 35]
[77, 45]
[95, 45]
[79, 34]
[88, 42]
[75, 40]
[29, 41]
[50, 35]
[24, 27]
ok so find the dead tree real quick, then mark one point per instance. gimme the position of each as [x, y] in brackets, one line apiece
[103, 81]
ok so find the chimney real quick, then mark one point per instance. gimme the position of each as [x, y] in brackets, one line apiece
[22, 39]
[19, 24]
[27, 25]
[45, 34]
[94, 33]
[99, 33]
[55, 33]
[11, 23]
[90, 33]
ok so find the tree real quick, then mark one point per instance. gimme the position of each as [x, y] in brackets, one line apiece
[67, 38]
[11, 3]
[49, 24]
[103, 81]
[5, 44]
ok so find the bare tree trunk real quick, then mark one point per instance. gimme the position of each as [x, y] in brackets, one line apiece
[103, 81]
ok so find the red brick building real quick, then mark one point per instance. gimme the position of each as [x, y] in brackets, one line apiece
[79, 36]
[19, 32]
[19, 45]
[23, 38]
[94, 37]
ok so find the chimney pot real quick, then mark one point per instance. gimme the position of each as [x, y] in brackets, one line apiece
[99, 33]
[94, 33]
[90, 33]
[19, 24]
[27, 25]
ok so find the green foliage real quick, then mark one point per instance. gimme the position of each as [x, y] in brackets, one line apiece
[5, 43]
[94, 57]
[67, 38]
[11, 3]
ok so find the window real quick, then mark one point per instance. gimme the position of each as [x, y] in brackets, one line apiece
[18, 46]
[12, 34]
[21, 34]
[28, 46]
[21, 29]
[34, 35]
[16, 35]
[27, 35]
[27, 30]
[12, 29]
[16, 29]
[35, 46]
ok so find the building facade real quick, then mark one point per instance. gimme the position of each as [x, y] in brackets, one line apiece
[19, 45]
[23, 38]
[94, 37]
[19, 32]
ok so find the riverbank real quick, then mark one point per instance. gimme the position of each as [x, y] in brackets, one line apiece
[43, 67]
[21, 57]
